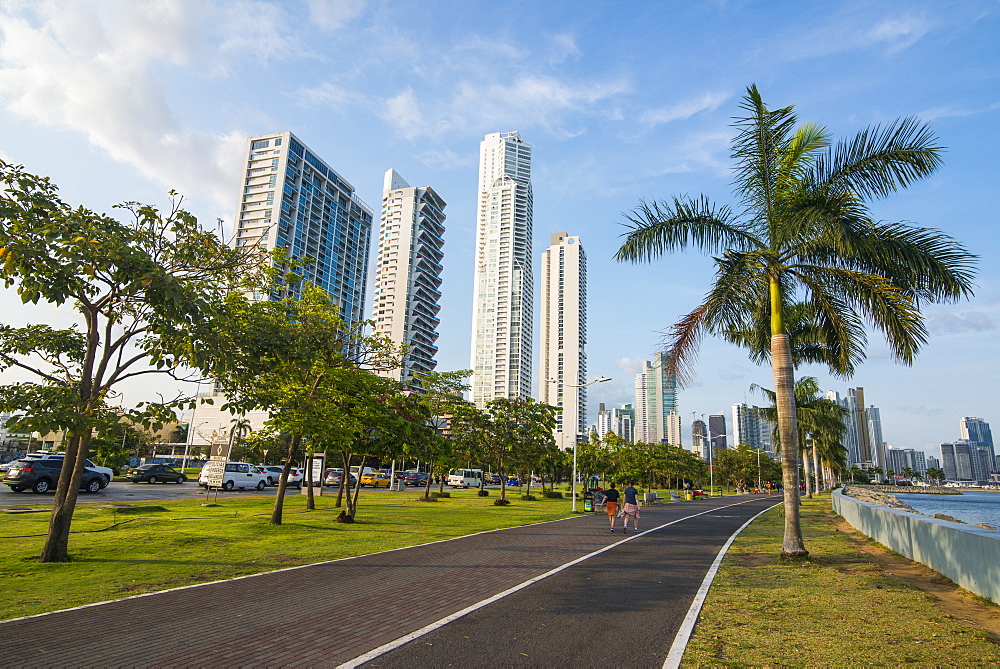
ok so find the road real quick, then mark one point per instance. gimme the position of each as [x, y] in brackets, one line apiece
[563, 593]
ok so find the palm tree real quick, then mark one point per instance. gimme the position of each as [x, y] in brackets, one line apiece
[802, 232]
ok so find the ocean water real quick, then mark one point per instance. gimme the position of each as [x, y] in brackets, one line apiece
[970, 507]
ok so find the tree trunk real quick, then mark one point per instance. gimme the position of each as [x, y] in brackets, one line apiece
[279, 498]
[346, 457]
[352, 507]
[784, 389]
[430, 479]
[56, 548]
[310, 493]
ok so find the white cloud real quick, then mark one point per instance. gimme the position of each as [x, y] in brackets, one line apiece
[898, 32]
[332, 15]
[856, 32]
[78, 67]
[562, 48]
[630, 366]
[949, 323]
[530, 100]
[685, 109]
[328, 95]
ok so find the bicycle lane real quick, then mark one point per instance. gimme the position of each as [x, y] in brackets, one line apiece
[621, 606]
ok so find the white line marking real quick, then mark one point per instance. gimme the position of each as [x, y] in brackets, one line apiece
[673, 660]
[392, 645]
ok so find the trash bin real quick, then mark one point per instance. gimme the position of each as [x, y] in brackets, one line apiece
[397, 485]
[689, 495]
[588, 501]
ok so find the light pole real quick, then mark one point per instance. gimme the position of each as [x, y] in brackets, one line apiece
[759, 482]
[600, 379]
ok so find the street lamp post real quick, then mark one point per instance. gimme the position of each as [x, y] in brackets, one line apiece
[759, 482]
[600, 379]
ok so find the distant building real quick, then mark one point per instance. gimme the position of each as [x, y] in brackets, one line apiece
[408, 273]
[615, 421]
[655, 399]
[933, 463]
[699, 438]
[863, 430]
[899, 459]
[958, 460]
[749, 427]
[674, 429]
[563, 325]
[978, 430]
[717, 431]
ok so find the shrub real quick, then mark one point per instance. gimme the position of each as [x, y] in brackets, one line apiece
[501, 502]
[432, 498]
[552, 494]
[483, 493]
[528, 498]
[437, 494]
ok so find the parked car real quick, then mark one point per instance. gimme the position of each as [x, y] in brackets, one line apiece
[415, 478]
[107, 472]
[155, 474]
[273, 473]
[42, 474]
[334, 476]
[238, 475]
[491, 479]
[375, 479]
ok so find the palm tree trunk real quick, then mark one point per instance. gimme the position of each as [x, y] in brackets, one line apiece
[816, 470]
[806, 473]
[784, 390]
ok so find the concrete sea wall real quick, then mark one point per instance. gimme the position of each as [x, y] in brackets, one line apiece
[964, 553]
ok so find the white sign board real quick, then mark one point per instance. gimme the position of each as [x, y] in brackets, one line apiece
[214, 471]
[317, 463]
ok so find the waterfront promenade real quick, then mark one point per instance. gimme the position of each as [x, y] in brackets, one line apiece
[563, 593]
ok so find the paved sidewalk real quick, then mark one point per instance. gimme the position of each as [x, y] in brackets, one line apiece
[324, 615]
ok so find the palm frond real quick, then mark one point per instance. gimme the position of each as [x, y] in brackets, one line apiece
[681, 344]
[881, 159]
[658, 227]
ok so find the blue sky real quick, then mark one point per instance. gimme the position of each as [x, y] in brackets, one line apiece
[124, 100]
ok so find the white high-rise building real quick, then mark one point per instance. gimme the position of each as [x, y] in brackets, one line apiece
[655, 400]
[750, 428]
[408, 273]
[503, 288]
[563, 321]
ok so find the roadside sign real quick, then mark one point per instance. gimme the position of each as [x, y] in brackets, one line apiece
[317, 465]
[214, 471]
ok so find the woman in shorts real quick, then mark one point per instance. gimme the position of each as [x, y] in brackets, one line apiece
[611, 504]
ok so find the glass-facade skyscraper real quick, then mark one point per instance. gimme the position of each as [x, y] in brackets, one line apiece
[503, 286]
[290, 198]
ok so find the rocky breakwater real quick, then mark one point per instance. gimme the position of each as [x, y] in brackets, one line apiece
[892, 502]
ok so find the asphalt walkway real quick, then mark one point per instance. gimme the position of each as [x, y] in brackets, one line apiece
[619, 603]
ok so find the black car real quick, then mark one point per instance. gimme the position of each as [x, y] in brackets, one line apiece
[41, 476]
[415, 478]
[155, 474]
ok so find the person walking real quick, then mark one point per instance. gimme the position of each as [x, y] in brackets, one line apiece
[611, 497]
[631, 508]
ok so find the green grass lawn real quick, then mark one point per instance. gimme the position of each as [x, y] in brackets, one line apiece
[836, 608]
[168, 544]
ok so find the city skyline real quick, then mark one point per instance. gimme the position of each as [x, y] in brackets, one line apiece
[157, 96]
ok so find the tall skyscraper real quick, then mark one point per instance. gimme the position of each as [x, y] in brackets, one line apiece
[625, 419]
[958, 460]
[978, 430]
[717, 431]
[655, 399]
[503, 289]
[563, 324]
[674, 429]
[863, 433]
[408, 273]
[290, 198]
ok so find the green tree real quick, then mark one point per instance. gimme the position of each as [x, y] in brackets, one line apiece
[299, 360]
[138, 288]
[441, 394]
[802, 232]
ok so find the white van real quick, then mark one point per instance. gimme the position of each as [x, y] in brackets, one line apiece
[465, 478]
[356, 468]
[237, 475]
